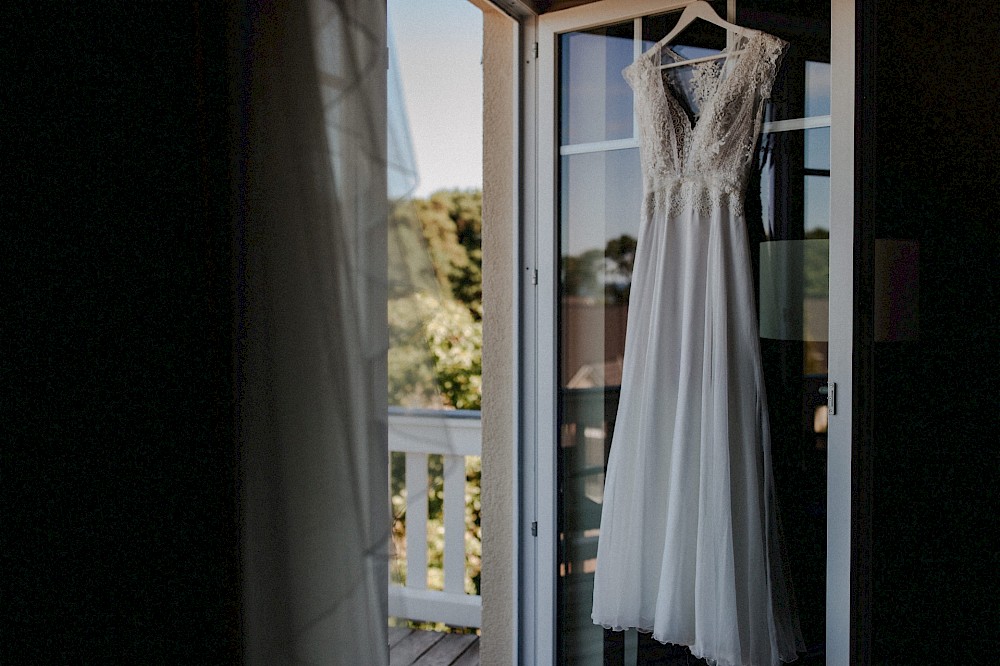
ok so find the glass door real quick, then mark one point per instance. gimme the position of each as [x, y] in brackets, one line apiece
[596, 194]
[600, 193]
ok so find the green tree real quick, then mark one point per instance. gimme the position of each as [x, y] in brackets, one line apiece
[412, 382]
[435, 353]
[452, 224]
[410, 266]
[621, 251]
[435, 308]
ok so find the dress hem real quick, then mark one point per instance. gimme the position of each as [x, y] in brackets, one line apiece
[697, 652]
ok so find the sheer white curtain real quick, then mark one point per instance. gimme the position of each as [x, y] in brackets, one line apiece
[311, 273]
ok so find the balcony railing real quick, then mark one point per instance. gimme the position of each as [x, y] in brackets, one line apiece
[454, 435]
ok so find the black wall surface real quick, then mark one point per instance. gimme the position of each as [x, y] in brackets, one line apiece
[935, 463]
[119, 525]
[119, 530]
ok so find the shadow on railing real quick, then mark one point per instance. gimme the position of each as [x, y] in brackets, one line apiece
[454, 435]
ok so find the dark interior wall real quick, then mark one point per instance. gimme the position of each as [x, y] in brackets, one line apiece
[935, 447]
[118, 467]
[119, 532]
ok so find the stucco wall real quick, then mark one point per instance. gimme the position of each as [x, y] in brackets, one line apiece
[499, 272]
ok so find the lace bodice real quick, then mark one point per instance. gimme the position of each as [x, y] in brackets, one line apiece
[692, 159]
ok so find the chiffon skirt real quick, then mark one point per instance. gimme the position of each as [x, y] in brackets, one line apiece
[689, 548]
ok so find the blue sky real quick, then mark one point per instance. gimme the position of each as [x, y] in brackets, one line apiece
[439, 52]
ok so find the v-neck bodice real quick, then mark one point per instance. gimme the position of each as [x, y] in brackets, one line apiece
[713, 150]
[708, 80]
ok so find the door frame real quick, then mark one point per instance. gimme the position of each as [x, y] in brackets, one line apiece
[537, 532]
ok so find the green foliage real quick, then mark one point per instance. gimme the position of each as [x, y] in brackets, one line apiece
[435, 307]
[473, 530]
[410, 268]
[621, 251]
[412, 382]
[452, 224]
[456, 342]
[435, 353]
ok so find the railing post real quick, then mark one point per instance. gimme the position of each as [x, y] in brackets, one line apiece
[454, 436]
[416, 520]
[454, 524]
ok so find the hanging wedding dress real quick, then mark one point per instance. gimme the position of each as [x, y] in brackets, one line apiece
[689, 546]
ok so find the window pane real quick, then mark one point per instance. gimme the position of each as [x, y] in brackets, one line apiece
[817, 149]
[595, 100]
[794, 183]
[817, 88]
[816, 216]
[793, 302]
[600, 197]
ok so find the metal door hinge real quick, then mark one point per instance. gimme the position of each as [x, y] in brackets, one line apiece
[534, 276]
[535, 50]
[534, 528]
[830, 391]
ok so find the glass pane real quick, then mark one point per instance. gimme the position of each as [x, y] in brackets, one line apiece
[599, 200]
[816, 213]
[803, 88]
[600, 195]
[794, 169]
[788, 222]
[817, 148]
[595, 101]
[817, 88]
[792, 239]
[793, 297]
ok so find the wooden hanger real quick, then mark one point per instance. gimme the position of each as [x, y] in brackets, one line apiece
[699, 10]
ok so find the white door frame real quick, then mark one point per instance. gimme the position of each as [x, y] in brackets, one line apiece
[537, 535]
[841, 336]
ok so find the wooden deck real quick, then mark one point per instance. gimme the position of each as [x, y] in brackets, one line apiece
[410, 647]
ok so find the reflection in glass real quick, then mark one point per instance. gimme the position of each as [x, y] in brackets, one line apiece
[794, 290]
[793, 298]
[599, 199]
[600, 195]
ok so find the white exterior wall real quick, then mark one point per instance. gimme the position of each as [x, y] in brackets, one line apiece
[499, 351]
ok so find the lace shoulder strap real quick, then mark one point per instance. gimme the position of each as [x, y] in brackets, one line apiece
[771, 51]
[633, 73]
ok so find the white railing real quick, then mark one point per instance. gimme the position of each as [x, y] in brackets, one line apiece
[454, 435]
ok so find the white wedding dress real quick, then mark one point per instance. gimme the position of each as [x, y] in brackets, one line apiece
[689, 547]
